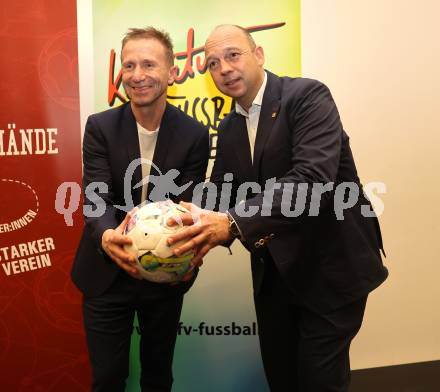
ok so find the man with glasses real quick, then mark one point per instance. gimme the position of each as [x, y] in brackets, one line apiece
[312, 272]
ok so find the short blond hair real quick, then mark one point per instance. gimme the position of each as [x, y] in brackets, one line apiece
[151, 33]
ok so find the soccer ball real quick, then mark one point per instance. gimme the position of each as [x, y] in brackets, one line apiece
[149, 232]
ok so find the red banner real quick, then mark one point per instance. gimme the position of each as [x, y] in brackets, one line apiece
[42, 346]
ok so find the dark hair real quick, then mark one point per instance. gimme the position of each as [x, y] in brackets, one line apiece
[151, 33]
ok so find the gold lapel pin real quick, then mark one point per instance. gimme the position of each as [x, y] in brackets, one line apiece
[274, 114]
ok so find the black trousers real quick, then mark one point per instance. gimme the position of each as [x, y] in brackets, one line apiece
[108, 321]
[304, 350]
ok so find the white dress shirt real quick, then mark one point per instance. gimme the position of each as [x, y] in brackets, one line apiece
[253, 116]
[147, 145]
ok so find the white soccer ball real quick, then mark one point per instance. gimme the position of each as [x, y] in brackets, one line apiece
[149, 232]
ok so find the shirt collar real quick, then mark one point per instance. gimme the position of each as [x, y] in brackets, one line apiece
[146, 131]
[258, 100]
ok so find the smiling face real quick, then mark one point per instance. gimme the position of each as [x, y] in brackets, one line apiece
[235, 64]
[146, 71]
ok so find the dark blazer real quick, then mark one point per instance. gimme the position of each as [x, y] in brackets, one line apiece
[110, 144]
[324, 261]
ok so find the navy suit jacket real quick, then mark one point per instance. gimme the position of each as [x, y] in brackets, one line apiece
[324, 261]
[110, 144]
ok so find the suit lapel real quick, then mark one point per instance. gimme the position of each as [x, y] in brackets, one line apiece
[130, 134]
[240, 140]
[164, 139]
[269, 112]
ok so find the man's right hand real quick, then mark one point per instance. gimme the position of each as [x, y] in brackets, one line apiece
[113, 241]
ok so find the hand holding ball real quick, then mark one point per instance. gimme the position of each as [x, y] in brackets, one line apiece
[149, 232]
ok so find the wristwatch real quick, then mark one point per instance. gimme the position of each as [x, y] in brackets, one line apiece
[233, 228]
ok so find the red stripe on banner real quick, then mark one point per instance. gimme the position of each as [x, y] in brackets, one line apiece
[42, 345]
